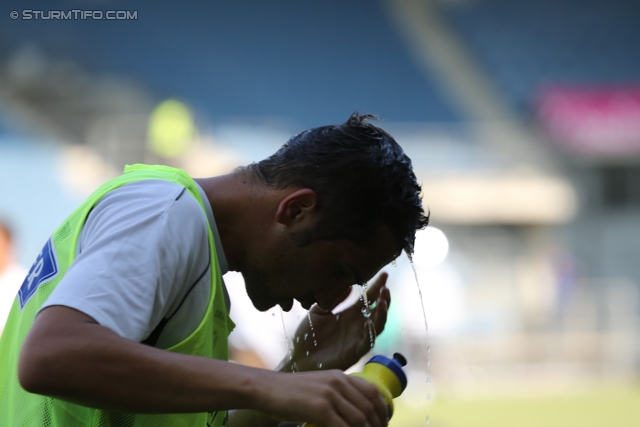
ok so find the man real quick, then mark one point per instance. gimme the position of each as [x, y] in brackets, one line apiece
[123, 319]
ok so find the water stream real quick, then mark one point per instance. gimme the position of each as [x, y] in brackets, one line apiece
[426, 329]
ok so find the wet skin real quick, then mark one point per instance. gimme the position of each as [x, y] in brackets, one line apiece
[321, 272]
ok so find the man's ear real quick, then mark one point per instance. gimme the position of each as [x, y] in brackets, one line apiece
[296, 206]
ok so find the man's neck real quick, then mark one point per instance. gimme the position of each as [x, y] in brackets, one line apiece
[238, 206]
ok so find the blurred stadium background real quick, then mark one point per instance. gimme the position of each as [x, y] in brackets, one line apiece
[522, 119]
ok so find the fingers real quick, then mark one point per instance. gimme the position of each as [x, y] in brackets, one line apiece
[379, 282]
[372, 327]
[373, 407]
[379, 293]
[362, 405]
[332, 399]
[379, 315]
[380, 298]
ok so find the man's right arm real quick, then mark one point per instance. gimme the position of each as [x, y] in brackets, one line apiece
[69, 356]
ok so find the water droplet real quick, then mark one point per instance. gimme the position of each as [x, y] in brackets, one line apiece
[298, 339]
[428, 380]
[428, 420]
[273, 315]
[307, 352]
[366, 312]
[319, 365]
[313, 333]
[337, 317]
[394, 263]
[286, 337]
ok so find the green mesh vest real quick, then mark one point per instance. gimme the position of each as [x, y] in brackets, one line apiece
[21, 409]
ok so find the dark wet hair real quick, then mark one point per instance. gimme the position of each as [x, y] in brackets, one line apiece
[362, 177]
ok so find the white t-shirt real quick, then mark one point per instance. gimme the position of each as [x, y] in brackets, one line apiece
[143, 255]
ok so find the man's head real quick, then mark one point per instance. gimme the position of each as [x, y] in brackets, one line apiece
[361, 175]
[350, 205]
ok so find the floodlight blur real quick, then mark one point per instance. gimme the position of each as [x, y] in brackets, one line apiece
[431, 247]
[171, 129]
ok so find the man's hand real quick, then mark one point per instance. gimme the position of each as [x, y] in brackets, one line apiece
[327, 398]
[340, 339]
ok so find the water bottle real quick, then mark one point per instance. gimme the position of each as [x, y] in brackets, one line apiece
[386, 374]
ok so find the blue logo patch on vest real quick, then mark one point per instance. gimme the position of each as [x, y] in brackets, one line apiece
[43, 270]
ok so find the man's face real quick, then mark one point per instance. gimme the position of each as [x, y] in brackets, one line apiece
[319, 272]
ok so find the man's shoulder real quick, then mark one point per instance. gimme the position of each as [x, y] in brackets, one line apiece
[147, 195]
[157, 188]
[144, 207]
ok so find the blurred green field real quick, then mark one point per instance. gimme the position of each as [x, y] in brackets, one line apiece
[593, 407]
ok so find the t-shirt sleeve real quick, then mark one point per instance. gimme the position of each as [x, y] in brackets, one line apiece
[138, 256]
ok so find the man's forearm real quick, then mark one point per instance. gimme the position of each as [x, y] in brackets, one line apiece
[85, 363]
[68, 356]
[248, 418]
